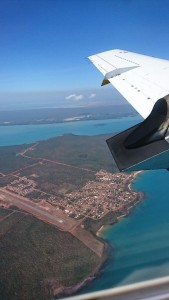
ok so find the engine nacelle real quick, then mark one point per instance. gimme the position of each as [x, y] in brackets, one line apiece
[144, 146]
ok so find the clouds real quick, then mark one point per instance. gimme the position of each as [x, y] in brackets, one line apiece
[74, 97]
[60, 98]
[92, 96]
[78, 97]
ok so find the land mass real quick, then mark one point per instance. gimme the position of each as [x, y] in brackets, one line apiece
[54, 197]
[60, 115]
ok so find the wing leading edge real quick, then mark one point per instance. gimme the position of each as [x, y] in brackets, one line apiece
[144, 82]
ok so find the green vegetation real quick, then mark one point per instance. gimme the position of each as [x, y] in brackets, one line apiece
[58, 179]
[90, 152]
[94, 225]
[85, 151]
[4, 212]
[35, 254]
[9, 221]
[10, 161]
[57, 115]
[37, 258]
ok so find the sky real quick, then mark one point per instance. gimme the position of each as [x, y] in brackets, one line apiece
[45, 44]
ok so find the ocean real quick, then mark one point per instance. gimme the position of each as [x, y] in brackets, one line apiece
[140, 241]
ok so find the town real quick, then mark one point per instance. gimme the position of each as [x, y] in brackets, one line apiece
[109, 192]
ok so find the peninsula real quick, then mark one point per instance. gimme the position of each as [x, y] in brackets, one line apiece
[54, 197]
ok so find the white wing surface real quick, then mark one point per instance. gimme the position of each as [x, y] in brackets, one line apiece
[141, 79]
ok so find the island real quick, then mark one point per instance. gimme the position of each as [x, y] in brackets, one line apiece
[55, 196]
[61, 115]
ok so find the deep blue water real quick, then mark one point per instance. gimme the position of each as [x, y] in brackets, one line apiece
[140, 241]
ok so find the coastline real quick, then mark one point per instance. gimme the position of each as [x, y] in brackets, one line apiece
[136, 174]
[140, 197]
[96, 270]
[101, 230]
[72, 290]
[61, 291]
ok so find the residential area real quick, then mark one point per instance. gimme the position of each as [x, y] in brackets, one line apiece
[108, 192]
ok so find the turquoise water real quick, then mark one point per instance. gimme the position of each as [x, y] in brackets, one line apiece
[19, 134]
[140, 241]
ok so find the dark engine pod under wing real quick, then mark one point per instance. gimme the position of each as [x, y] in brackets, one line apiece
[153, 128]
[143, 146]
[148, 157]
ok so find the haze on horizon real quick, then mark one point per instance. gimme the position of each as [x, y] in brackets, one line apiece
[45, 45]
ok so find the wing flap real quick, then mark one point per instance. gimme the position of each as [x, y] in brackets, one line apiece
[116, 72]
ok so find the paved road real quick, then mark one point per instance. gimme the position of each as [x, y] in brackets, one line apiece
[30, 207]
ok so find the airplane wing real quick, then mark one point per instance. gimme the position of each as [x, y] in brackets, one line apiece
[144, 82]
